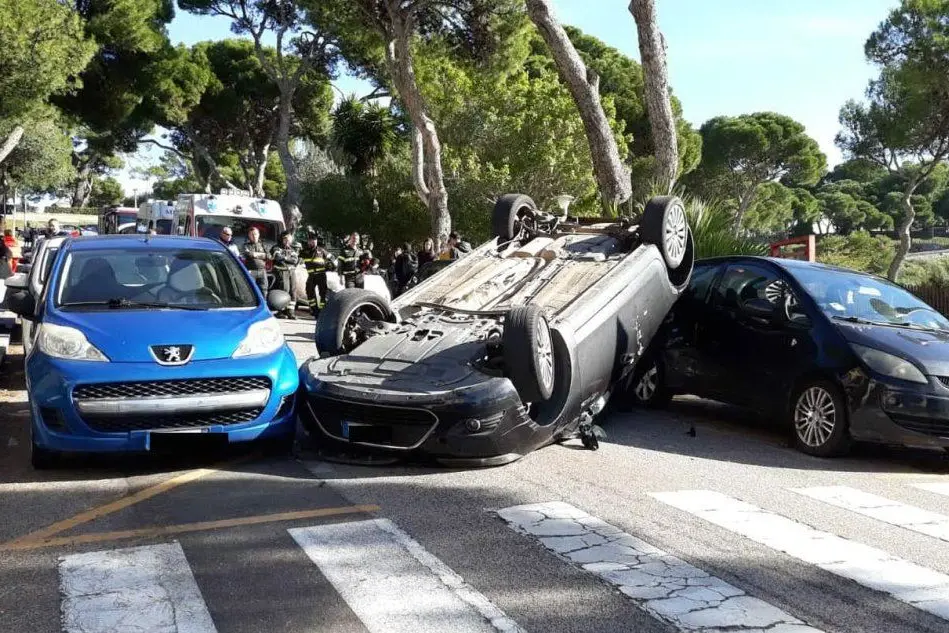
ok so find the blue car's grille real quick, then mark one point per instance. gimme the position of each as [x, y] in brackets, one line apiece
[111, 424]
[157, 388]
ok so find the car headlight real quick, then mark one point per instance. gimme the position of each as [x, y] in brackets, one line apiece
[67, 343]
[889, 365]
[262, 337]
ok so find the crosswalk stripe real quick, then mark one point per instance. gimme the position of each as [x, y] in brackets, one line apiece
[938, 487]
[393, 584]
[664, 586]
[923, 588]
[149, 588]
[882, 509]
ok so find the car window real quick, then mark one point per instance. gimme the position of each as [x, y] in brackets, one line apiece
[48, 264]
[701, 281]
[744, 282]
[186, 277]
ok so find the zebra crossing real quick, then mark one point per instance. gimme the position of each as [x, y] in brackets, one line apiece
[391, 583]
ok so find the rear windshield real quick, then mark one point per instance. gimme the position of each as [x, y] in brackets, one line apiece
[210, 226]
[165, 278]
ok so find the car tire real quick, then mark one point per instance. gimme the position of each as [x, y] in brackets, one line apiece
[41, 458]
[818, 419]
[647, 388]
[333, 327]
[508, 212]
[665, 225]
[529, 353]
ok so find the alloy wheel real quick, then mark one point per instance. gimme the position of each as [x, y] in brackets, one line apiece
[815, 416]
[545, 355]
[675, 233]
[647, 385]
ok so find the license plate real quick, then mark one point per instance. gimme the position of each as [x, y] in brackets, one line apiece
[356, 432]
[175, 442]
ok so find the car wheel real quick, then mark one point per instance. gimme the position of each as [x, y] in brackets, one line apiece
[647, 387]
[337, 329]
[509, 213]
[665, 225]
[529, 353]
[819, 419]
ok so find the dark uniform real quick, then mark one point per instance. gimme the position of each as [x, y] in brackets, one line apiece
[255, 258]
[317, 261]
[285, 260]
[349, 266]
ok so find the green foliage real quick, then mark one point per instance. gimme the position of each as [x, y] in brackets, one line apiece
[105, 192]
[857, 251]
[922, 272]
[41, 161]
[43, 48]
[713, 230]
[362, 134]
[772, 208]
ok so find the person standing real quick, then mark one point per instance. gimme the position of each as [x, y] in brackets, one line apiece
[405, 268]
[349, 261]
[427, 254]
[227, 239]
[317, 261]
[285, 260]
[457, 247]
[255, 259]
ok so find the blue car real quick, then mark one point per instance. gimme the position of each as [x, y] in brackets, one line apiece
[156, 344]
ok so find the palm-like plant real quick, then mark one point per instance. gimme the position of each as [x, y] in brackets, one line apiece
[362, 135]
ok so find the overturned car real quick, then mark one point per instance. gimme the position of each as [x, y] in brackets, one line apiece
[516, 346]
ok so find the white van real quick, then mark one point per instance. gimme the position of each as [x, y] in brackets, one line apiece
[205, 214]
[158, 215]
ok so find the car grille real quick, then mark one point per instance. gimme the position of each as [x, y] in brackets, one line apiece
[157, 388]
[927, 426]
[396, 427]
[944, 380]
[112, 424]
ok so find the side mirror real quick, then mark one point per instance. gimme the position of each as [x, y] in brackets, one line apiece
[22, 304]
[18, 281]
[24, 268]
[759, 308]
[278, 300]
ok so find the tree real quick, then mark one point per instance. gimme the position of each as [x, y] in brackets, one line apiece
[362, 135]
[106, 191]
[302, 49]
[805, 210]
[43, 50]
[741, 153]
[652, 50]
[40, 162]
[611, 174]
[905, 120]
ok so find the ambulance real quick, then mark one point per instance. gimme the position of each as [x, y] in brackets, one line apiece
[158, 215]
[206, 214]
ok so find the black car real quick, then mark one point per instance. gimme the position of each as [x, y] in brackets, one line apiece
[514, 346]
[834, 354]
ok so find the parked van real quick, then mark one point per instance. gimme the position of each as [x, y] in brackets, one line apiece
[204, 215]
[158, 215]
[116, 219]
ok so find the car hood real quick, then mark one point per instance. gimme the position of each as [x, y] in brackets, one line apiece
[930, 349]
[126, 335]
[418, 361]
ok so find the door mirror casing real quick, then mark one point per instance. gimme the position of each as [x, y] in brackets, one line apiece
[760, 309]
[17, 281]
[22, 304]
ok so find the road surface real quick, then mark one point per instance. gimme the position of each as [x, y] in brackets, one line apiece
[659, 530]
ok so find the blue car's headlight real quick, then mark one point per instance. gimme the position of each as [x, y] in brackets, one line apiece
[67, 343]
[889, 365]
[263, 337]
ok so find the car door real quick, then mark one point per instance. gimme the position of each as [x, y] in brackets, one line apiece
[39, 273]
[746, 352]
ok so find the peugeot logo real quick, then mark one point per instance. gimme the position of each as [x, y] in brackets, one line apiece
[172, 354]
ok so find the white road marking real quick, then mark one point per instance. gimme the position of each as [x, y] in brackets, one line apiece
[908, 582]
[882, 509]
[938, 487]
[393, 584]
[148, 588]
[661, 584]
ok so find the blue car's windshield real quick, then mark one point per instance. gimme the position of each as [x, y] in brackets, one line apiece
[186, 279]
[857, 297]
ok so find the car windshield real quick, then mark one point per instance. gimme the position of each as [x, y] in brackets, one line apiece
[210, 226]
[163, 278]
[861, 298]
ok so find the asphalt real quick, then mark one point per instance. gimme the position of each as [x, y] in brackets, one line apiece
[255, 577]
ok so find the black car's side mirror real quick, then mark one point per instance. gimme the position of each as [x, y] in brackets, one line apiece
[22, 304]
[760, 309]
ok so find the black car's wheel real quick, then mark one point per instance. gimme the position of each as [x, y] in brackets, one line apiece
[647, 387]
[529, 352]
[818, 416]
[665, 225]
[509, 213]
[337, 328]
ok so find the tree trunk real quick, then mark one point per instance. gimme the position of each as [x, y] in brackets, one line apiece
[427, 149]
[291, 210]
[652, 51]
[743, 205]
[904, 231]
[83, 189]
[261, 158]
[12, 140]
[612, 176]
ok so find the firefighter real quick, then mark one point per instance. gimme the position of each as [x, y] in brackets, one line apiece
[285, 260]
[349, 262]
[317, 261]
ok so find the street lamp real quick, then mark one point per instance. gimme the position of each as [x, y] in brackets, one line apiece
[135, 198]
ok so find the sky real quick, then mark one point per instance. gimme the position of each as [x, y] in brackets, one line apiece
[802, 58]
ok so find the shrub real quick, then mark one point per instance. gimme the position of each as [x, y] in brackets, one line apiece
[857, 251]
[925, 272]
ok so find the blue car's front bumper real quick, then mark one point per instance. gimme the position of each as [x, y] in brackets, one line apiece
[58, 425]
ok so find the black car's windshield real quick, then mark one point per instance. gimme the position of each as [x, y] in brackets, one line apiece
[185, 279]
[861, 298]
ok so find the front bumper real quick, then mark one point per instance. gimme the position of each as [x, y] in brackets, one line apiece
[896, 412]
[485, 425]
[61, 422]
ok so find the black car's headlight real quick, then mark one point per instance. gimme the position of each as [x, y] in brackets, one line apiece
[889, 365]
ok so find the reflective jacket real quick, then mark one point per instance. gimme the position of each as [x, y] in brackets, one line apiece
[348, 260]
[316, 259]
